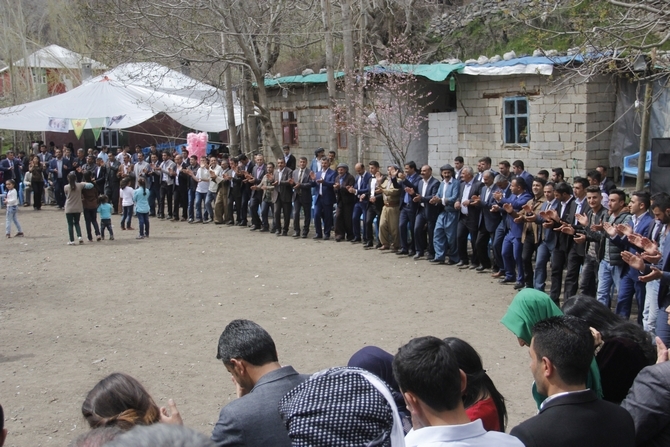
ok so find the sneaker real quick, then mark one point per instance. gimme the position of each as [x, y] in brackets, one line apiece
[99, 238]
[71, 243]
[81, 241]
[140, 237]
[111, 238]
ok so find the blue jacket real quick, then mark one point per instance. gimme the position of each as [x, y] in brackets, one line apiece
[328, 193]
[517, 202]
[365, 186]
[548, 234]
[447, 204]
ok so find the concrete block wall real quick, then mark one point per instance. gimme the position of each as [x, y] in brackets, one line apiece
[442, 138]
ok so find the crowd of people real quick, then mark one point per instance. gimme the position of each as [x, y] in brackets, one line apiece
[432, 392]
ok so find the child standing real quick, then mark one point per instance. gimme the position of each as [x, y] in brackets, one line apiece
[141, 199]
[126, 202]
[105, 211]
[12, 203]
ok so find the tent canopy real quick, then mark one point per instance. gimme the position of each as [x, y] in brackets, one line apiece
[124, 97]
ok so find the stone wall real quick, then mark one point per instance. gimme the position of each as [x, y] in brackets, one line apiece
[566, 125]
[442, 138]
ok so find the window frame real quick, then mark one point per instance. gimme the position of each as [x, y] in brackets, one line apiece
[106, 137]
[39, 75]
[289, 123]
[516, 116]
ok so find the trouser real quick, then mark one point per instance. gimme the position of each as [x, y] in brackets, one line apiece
[221, 209]
[541, 259]
[307, 212]
[513, 258]
[114, 197]
[191, 203]
[482, 247]
[11, 217]
[91, 219]
[254, 203]
[528, 249]
[200, 197]
[423, 234]
[651, 306]
[496, 245]
[360, 209]
[588, 282]
[608, 276]
[369, 230]
[406, 225]
[558, 260]
[282, 208]
[59, 192]
[630, 285]
[323, 218]
[73, 222]
[575, 261]
[343, 224]
[462, 240]
[166, 194]
[106, 224]
[388, 227]
[27, 191]
[38, 193]
[209, 208]
[444, 236]
[235, 204]
[244, 204]
[180, 201]
[143, 219]
[154, 194]
[265, 211]
[127, 216]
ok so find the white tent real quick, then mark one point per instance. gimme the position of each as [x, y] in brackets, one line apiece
[124, 97]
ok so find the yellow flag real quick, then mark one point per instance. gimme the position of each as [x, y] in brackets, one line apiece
[78, 126]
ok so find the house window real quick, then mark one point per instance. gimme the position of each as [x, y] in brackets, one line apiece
[515, 119]
[109, 137]
[289, 126]
[39, 75]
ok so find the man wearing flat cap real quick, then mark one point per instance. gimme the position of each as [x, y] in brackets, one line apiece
[345, 203]
[444, 236]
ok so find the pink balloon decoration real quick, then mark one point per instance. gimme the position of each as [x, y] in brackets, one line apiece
[196, 143]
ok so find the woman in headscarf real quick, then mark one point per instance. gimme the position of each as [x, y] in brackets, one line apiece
[528, 308]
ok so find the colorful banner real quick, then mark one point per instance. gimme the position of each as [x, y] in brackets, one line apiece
[78, 126]
[114, 120]
[96, 126]
[59, 125]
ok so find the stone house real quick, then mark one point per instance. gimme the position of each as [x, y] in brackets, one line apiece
[525, 108]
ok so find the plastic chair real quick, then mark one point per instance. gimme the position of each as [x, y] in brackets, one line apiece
[630, 164]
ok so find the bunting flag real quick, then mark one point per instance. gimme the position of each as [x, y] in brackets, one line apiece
[78, 126]
[59, 125]
[114, 120]
[96, 126]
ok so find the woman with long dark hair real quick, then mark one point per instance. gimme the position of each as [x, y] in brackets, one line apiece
[73, 205]
[481, 399]
[622, 348]
[89, 199]
[36, 181]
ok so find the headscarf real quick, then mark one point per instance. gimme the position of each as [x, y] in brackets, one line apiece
[342, 406]
[528, 308]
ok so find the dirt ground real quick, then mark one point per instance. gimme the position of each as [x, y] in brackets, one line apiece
[70, 315]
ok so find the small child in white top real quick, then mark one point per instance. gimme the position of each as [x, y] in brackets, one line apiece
[126, 202]
[12, 203]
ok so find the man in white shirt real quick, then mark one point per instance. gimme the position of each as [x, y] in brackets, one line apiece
[434, 400]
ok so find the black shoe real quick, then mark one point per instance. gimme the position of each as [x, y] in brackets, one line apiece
[278, 233]
[450, 262]
[378, 246]
[353, 241]
[296, 234]
[402, 253]
[255, 228]
[480, 269]
[418, 256]
[170, 217]
[338, 239]
[326, 238]
[461, 264]
[152, 215]
[474, 267]
[519, 286]
[430, 258]
[505, 281]
[368, 244]
[436, 261]
[264, 230]
[284, 233]
[318, 236]
[304, 236]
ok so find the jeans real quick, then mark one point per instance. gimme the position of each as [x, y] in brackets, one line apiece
[444, 236]
[265, 211]
[631, 285]
[127, 216]
[541, 259]
[406, 222]
[651, 306]
[608, 276]
[11, 217]
[497, 243]
[106, 224]
[199, 198]
[191, 203]
[209, 208]
[662, 327]
[323, 215]
[512, 252]
[360, 209]
[91, 218]
[73, 221]
[143, 218]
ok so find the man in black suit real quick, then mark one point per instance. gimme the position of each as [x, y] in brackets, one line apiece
[247, 168]
[469, 218]
[576, 253]
[345, 203]
[375, 206]
[561, 353]
[282, 196]
[408, 208]
[258, 172]
[289, 158]
[11, 168]
[100, 175]
[302, 188]
[361, 190]
[565, 213]
[606, 184]
[181, 183]
[488, 220]
[426, 216]
[59, 168]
